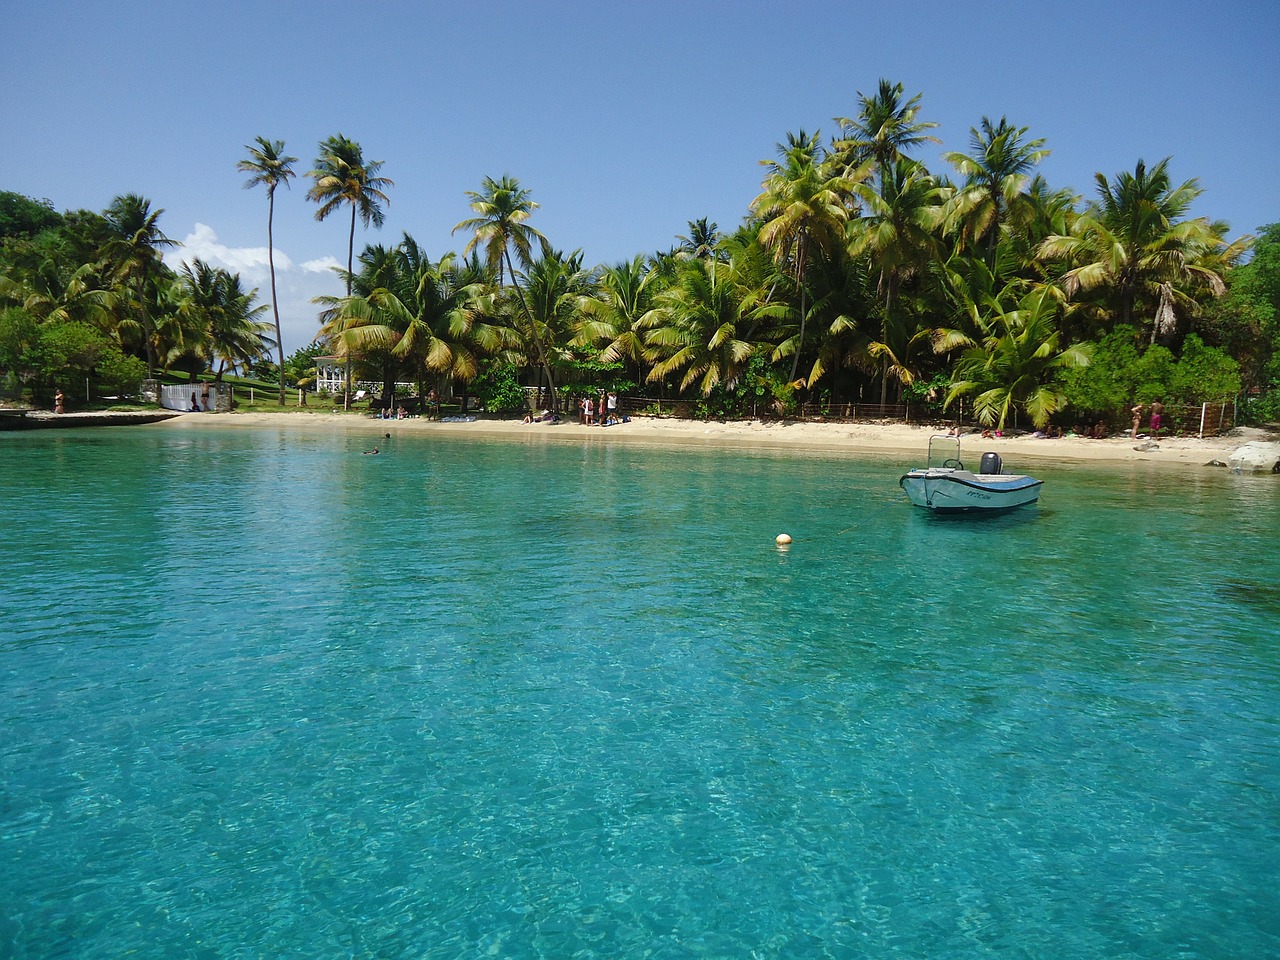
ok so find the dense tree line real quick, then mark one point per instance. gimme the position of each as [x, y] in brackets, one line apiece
[857, 275]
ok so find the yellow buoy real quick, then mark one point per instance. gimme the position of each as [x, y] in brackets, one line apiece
[783, 539]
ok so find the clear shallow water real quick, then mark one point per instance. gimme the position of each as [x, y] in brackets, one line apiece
[263, 696]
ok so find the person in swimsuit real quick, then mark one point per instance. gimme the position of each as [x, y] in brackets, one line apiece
[1157, 417]
[1137, 411]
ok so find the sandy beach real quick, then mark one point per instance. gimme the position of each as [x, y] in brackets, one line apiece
[892, 440]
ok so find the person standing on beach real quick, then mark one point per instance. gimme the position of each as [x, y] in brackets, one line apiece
[59, 402]
[1157, 417]
[1137, 411]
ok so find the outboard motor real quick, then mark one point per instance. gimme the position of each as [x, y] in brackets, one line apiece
[991, 464]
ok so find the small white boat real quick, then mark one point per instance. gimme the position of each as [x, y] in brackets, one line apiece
[949, 488]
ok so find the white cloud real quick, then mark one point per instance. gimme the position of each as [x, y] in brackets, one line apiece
[250, 262]
[322, 265]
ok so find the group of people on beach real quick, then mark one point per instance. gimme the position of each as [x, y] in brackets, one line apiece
[601, 411]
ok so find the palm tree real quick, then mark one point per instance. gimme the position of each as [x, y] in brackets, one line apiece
[407, 308]
[268, 165]
[52, 298]
[701, 240]
[616, 319]
[1019, 360]
[235, 336]
[503, 209]
[342, 175]
[899, 234]
[803, 208]
[841, 305]
[1132, 243]
[700, 327]
[555, 289]
[884, 130]
[132, 251]
[997, 174]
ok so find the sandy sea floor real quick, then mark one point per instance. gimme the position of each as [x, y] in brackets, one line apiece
[904, 440]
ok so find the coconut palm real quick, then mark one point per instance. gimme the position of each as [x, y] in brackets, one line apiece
[615, 320]
[52, 298]
[269, 166]
[1019, 360]
[236, 337]
[343, 176]
[503, 208]
[132, 254]
[803, 209]
[899, 234]
[700, 327]
[421, 312]
[1133, 245]
[884, 130]
[996, 174]
[701, 240]
[555, 290]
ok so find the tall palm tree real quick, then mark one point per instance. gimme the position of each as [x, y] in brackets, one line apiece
[503, 208]
[803, 208]
[343, 176]
[133, 252]
[996, 176]
[268, 165]
[899, 233]
[1133, 244]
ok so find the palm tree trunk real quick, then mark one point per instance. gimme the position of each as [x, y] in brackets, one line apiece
[351, 252]
[537, 340]
[146, 325]
[801, 251]
[275, 303]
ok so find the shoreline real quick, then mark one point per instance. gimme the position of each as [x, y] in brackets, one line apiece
[906, 441]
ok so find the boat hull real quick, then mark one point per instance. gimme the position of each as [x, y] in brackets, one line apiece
[944, 490]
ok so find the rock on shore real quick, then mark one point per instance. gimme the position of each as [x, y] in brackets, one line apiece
[1256, 456]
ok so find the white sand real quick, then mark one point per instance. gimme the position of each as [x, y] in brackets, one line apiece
[899, 441]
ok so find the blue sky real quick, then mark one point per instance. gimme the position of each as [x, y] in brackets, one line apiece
[625, 121]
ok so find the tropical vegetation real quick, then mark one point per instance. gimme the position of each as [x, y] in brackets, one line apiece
[858, 275]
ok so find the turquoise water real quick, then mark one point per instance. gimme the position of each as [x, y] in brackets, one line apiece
[262, 696]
